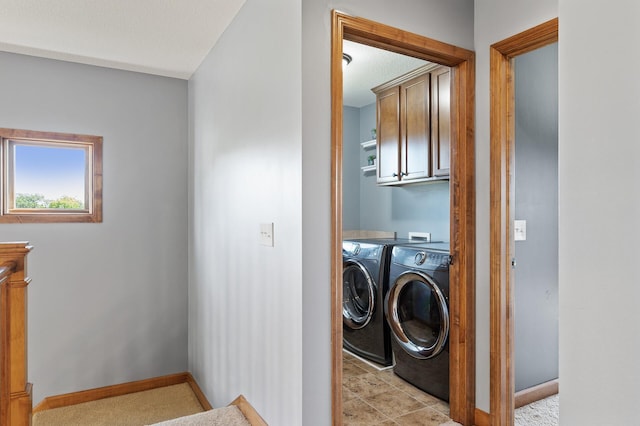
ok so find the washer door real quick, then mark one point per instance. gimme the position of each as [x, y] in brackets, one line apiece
[358, 295]
[418, 315]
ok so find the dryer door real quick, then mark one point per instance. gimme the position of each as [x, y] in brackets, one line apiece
[358, 295]
[417, 313]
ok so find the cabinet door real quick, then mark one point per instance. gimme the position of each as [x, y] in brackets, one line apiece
[415, 129]
[441, 121]
[388, 146]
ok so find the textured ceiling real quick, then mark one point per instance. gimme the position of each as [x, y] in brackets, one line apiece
[164, 37]
[369, 68]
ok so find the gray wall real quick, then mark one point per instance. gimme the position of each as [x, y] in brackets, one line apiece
[421, 207]
[108, 301]
[353, 158]
[367, 121]
[599, 171]
[417, 207]
[245, 305]
[536, 188]
[449, 21]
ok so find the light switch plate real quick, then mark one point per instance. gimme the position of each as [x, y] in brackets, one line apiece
[519, 230]
[266, 234]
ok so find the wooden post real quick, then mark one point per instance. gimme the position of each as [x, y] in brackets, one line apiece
[16, 404]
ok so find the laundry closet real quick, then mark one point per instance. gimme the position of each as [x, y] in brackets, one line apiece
[396, 210]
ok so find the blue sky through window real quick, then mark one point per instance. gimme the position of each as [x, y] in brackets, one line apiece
[50, 171]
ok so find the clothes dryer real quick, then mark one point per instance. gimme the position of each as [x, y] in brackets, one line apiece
[417, 311]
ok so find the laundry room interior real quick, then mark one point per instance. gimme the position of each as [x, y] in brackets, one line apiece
[378, 205]
[366, 205]
[381, 212]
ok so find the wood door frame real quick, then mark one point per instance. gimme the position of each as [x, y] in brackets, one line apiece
[502, 54]
[462, 199]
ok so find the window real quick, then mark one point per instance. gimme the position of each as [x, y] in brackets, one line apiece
[50, 177]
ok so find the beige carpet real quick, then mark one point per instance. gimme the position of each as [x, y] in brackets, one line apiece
[540, 413]
[225, 416]
[136, 409]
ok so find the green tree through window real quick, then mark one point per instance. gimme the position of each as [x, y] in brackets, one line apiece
[30, 201]
[66, 202]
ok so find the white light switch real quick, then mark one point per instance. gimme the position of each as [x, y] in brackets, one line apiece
[519, 230]
[266, 234]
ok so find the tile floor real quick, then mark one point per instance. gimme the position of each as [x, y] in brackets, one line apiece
[371, 397]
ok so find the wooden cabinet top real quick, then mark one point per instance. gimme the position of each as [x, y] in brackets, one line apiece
[404, 77]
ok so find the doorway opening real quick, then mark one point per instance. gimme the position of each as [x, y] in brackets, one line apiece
[502, 227]
[462, 199]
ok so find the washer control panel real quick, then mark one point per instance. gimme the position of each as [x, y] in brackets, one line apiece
[361, 250]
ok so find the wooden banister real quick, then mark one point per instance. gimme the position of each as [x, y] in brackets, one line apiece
[15, 392]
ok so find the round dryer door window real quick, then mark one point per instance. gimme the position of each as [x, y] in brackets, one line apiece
[418, 315]
[358, 295]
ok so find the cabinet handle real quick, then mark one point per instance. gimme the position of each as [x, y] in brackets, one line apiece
[395, 175]
[404, 174]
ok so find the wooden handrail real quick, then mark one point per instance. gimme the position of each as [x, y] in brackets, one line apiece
[15, 392]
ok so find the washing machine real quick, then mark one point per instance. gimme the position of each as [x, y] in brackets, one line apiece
[417, 311]
[364, 286]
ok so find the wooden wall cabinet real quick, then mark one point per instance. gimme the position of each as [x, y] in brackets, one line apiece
[413, 126]
[441, 122]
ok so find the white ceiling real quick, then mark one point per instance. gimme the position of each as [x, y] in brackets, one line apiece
[369, 68]
[163, 37]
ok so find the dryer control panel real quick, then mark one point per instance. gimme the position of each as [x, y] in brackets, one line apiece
[420, 258]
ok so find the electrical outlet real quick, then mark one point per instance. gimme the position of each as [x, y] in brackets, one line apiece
[421, 236]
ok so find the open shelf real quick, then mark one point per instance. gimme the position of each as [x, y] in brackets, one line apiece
[368, 144]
